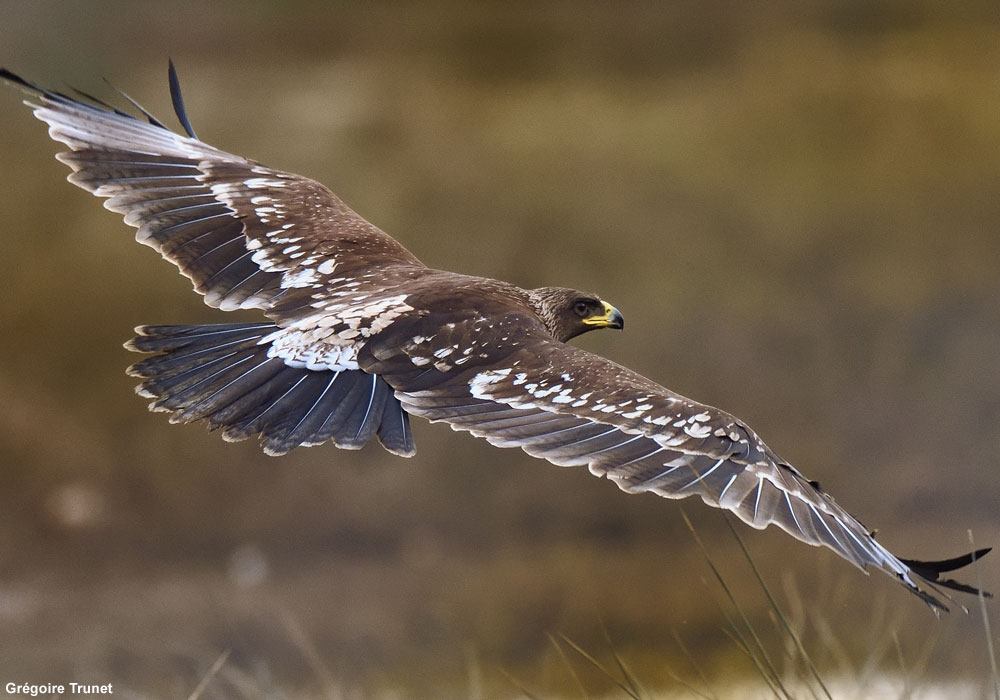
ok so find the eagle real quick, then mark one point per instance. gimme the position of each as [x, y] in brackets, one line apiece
[360, 336]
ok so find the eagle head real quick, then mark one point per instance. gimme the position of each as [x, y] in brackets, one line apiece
[567, 313]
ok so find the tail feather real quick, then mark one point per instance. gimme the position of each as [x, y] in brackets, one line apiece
[253, 413]
[394, 431]
[221, 373]
[350, 424]
[221, 404]
[177, 388]
[191, 369]
[162, 338]
[363, 422]
[304, 427]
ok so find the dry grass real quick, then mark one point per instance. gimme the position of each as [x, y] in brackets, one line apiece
[775, 664]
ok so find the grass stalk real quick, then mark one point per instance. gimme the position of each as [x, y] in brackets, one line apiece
[519, 685]
[766, 663]
[308, 650]
[600, 667]
[741, 643]
[697, 667]
[207, 678]
[626, 673]
[569, 665]
[986, 625]
[777, 610]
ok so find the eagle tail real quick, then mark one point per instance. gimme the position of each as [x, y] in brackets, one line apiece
[222, 373]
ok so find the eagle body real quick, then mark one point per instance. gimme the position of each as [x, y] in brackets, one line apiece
[360, 336]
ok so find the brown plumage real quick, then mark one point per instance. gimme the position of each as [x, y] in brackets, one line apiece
[362, 335]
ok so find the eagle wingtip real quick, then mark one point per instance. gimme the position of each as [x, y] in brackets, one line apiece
[12, 77]
[177, 99]
[930, 572]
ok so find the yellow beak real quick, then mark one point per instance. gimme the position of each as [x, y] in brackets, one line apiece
[611, 318]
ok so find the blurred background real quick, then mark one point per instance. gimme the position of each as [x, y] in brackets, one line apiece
[795, 206]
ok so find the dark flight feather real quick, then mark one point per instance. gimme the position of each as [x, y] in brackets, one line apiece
[178, 100]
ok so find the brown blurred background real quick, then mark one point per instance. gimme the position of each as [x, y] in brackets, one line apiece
[796, 207]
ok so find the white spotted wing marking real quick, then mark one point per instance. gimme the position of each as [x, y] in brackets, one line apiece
[297, 227]
[646, 438]
[331, 336]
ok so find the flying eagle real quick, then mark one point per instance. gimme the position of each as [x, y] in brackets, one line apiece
[362, 335]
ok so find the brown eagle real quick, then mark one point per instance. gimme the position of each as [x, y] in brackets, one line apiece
[362, 335]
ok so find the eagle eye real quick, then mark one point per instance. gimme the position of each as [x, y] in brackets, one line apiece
[581, 308]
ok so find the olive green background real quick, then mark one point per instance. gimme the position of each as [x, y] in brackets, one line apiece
[795, 205]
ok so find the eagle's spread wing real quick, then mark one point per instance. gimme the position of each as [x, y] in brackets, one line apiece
[246, 235]
[574, 408]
